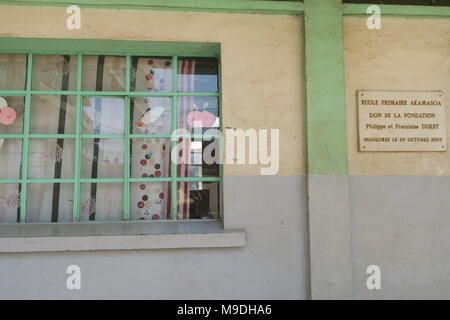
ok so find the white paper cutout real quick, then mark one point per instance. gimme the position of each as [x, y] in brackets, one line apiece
[151, 116]
[3, 102]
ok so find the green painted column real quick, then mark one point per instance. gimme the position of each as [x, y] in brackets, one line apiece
[328, 186]
[325, 113]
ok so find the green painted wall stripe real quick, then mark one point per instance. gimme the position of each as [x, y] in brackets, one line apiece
[401, 11]
[326, 130]
[112, 47]
[292, 7]
[231, 6]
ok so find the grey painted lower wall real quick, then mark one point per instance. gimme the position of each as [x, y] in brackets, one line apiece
[330, 237]
[272, 264]
[401, 224]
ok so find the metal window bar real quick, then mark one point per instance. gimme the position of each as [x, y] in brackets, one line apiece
[173, 165]
[127, 154]
[78, 130]
[25, 142]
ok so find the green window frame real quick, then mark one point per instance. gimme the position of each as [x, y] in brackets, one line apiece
[127, 49]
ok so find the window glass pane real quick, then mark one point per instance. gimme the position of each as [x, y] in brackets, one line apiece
[10, 158]
[150, 158]
[151, 115]
[51, 158]
[103, 73]
[13, 70]
[197, 158]
[11, 115]
[198, 200]
[202, 157]
[150, 201]
[54, 72]
[101, 201]
[151, 74]
[197, 74]
[53, 114]
[197, 113]
[9, 203]
[103, 115]
[102, 158]
[47, 202]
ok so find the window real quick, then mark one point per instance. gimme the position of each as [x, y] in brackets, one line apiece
[89, 137]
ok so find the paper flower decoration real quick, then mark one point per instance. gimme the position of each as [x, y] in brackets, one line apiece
[203, 118]
[7, 114]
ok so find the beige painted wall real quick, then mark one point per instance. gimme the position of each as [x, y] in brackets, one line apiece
[261, 54]
[406, 54]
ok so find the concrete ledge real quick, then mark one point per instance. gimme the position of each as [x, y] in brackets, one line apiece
[131, 242]
[110, 228]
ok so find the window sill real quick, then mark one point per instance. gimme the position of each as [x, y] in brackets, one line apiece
[224, 239]
[134, 235]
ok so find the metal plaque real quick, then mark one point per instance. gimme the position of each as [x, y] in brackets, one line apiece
[401, 121]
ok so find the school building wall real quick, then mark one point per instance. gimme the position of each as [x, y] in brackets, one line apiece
[261, 88]
[387, 209]
[399, 201]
